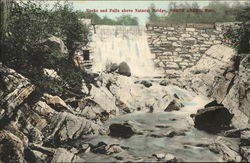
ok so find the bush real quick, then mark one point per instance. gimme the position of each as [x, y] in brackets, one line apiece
[28, 24]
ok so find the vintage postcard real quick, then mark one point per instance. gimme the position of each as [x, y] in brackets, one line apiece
[124, 81]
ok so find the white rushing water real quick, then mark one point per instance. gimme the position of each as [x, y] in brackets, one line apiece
[115, 44]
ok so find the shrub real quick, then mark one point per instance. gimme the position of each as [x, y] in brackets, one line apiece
[28, 24]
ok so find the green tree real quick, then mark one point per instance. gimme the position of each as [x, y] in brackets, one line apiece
[153, 17]
[71, 30]
[127, 20]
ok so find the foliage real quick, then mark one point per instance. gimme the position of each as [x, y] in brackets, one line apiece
[28, 24]
[152, 15]
[223, 12]
[66, 25]
[96, 19]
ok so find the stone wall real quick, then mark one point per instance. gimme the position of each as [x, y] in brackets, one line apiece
[181, 46]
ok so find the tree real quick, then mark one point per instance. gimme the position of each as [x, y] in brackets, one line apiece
[71, 30]
[127, 20]
[153, 17]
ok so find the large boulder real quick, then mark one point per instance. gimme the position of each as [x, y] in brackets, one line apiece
[124, 69]
[121, 130]
[213, 119]
[55, 43]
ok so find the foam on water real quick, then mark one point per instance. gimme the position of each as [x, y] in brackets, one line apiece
[123, 43]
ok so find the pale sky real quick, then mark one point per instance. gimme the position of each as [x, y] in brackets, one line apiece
[142, 17]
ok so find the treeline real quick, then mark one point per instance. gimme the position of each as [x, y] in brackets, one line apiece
[220, 12]
[96, 19]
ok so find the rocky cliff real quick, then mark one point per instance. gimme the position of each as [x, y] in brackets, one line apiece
[221, 74]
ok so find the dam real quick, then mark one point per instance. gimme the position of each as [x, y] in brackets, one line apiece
[115, 44]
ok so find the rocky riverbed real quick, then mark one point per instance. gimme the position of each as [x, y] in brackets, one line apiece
[200, 114]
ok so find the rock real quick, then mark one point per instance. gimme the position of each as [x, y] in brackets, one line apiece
[170, 158]
[229, 75]
[85, 90]
[213, 119]
[99, 148]
[227, 148]
[162, 126]
[84, 147]
[62, 155]
[43, 109]
[124, 69]
[112, 67]
[234, 133]
[123, 107]
[159, 156]
[244, 86]
[55, 43]
[104, 98]
[164, 83]
[146, 83]
[173, 106]
[29, 116]
[11, 148]
[245, 138]
[245, 153]
[226, 81]
[56, 102]
[114, 149]
[90, 109]
[121, 130]
[165, 157]
[65, 126]
[170, 133]
[51, 74]
[213, 103]
[14, 89]
[134, 96]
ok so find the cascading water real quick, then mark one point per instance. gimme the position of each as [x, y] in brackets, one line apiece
[115, 44]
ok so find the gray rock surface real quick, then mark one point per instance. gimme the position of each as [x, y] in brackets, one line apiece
[55, 43]
[124, 69]
[14, 89]
[228, 148]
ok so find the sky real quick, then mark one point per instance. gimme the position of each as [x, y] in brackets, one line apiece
[120, 5]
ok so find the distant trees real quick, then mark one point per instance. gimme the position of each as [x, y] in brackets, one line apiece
[223, 12]
[96, 19]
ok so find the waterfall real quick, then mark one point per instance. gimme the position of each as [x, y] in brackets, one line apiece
[115, 44]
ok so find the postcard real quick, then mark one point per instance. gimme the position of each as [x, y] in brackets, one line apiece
[124, 81]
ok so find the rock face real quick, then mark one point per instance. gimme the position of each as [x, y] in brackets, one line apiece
[213, 119]
[223, 78]
[14, 89]
[124, 69]
[28, 123]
